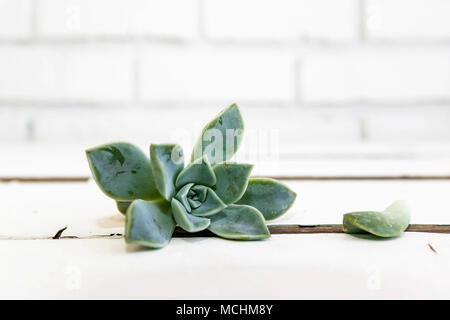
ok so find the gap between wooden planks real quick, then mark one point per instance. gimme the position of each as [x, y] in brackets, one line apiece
[332, 228]
[278, 229]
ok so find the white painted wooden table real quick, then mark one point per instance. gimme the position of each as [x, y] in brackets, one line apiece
[96, 265]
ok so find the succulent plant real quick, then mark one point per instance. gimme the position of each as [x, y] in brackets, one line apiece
[389, 223]
[210, 192]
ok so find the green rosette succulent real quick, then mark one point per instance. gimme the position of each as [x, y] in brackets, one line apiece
[210, 192]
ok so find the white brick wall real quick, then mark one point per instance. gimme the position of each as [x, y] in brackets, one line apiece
[78, 18]
[408, 19]
[15, 19]
[281, 19]
[15, 124]
[414, 125]
[324, 71]
[216, 75]
[45, 74]
[287, 131]
[368, 75]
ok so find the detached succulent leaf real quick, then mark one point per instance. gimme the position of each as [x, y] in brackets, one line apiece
[149, 223]
[269, 196]
[232, 180]
[167, 161]
[122, 206]
[199, 172]
[211, 205]
[122, 171]
[239, 222]
[221, 137]
[388, 223]
[187, 221]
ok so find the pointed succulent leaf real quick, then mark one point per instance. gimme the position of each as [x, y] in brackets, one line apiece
[122, 206]
[122, 171]
[239, 222]
[210, 206]
[388, 223]
[187, 221]
[201, 192]
[232, 180]
[182, 196]
[167, 161]
[221, 137]
[199, 172]
[269, 196]
[194, 203]
[149, 223]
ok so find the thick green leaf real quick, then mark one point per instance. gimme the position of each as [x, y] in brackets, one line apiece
[232, 180]
[239, 222]
[193, 203]
[201, 192]
[187, 221]
[269, 196]
[221, 137]
[210, 206]
[182, 196]
[198, 172]
[388, 223]
[167, 161]
[122, 206]
[149, 223]
[122, 171]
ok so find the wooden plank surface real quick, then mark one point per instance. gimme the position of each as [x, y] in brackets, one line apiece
[100, 265]
[285, 266]
[41, 209]
[326, 265]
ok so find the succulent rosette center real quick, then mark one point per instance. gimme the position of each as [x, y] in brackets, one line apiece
[192, 196]
[195, 199]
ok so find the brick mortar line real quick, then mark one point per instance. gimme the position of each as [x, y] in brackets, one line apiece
[394, 43]
[118, 104]
[362, 23]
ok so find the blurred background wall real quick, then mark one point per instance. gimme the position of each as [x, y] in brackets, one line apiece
[325, 72]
